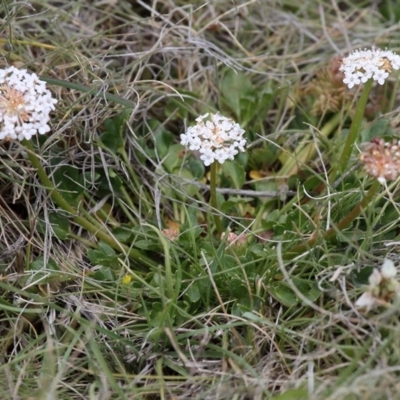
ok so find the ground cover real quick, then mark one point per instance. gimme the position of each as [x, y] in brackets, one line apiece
[141, 264]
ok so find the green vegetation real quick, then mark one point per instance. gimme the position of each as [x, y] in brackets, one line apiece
[116, 282]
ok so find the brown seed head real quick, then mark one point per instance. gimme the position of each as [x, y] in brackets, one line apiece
[382, 159]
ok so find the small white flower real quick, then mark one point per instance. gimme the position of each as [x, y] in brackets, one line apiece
[375, 278]
[185, 139]
[374, 63]
[25, 104]
[380, 76]
[388, 270]
[217, 139]
[231, 152]
[382, 287]
[352, 80]
[366, 301]
[207, 157]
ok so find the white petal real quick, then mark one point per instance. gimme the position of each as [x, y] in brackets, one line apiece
[366, 300]
[375, 278]
[388, 270]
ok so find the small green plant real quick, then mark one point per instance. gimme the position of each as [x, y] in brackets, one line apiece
[217, 139]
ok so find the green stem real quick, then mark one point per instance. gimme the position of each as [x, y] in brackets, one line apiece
[355, 126]
[343, 223]
[81, 221]
[213, 200]
[134, 184]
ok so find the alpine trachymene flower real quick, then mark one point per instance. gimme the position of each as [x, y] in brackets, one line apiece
[171, 234]
[25, 104]
[374, 63]
[217, 139]
[234, 239]
[388, 269]
[383, 287]
[382, 159]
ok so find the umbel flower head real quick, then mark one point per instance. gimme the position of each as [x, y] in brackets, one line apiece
[233, 239]
[217, 139]
[374, 63]
[25, 104]
[383, 287]
[382, 159]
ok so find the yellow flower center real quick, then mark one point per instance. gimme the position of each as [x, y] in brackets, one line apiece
[12, 102]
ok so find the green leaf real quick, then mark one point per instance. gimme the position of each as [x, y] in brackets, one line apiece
[158, 315]
[174, 157]
[69, 182]
[186, 189]
[39, 264]
[275, 221]
[239, 308]
[308, 289]
[104, 274]
[266, 98]
[178, 108]
[292, 394]
[266, 185]
[238, 288]
[234, 87]
[46, 271]
[123, 234]
[104, 255]
[112, 137]
[110, 183]
[235, 172]
[193, 293]
[248, 109]
[163, 141]
[297, 219]
[191, 229]
[282, 292]
[379, 128]
[106, 249]
[196, 167]
[361, 277]
[390, 9]
[60, 225]
[244, 99]
[237, 205]
[147, 245]
[262, 158]
[258, 249]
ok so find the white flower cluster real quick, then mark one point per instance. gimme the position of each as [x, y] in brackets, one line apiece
[374, 63]
[217, 139]
[383, 287]
[25, 104]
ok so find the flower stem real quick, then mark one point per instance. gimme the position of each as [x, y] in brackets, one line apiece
[81, 221]
[213, 200]
[342, 224]
[355, 126]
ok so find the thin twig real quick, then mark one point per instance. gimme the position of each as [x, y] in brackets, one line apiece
[245, 192]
